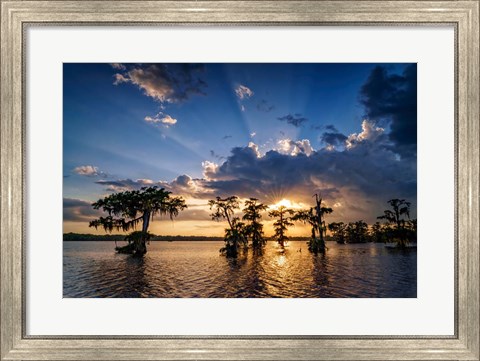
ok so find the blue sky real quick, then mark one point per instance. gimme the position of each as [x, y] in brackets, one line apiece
[202, 130]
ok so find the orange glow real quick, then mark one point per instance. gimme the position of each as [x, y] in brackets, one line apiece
[287, 204]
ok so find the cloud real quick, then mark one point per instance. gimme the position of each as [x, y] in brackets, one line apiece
[76, 210]
[253, 146]
[393, 98]
[183, 184]
[166, 83]
[118, 66]
[161, 118]
[243, 92]
[87, 170]
[264, 106]
[145, 182]
[294, 148]
[121, 185]
[189, 187]
[333, 138]
[294, 119]
[369, 133]
[226, 137]
[120, 78]
[209, 169]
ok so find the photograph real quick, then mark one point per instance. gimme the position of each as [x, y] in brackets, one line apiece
[239, 180]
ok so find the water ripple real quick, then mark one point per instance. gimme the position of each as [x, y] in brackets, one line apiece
[195, 269]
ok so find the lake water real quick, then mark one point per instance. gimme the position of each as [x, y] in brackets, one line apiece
[196, 269]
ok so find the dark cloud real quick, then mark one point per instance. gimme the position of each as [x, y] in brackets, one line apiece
[226, 137]
[243, 187]
[127, 184]
[393, 98]
[294, 119]
[170, 83]
[331, 128]
[183, 184]
[334, 139]
[76, 210]
[265, 106]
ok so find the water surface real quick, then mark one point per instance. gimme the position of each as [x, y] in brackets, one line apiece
[195, 269]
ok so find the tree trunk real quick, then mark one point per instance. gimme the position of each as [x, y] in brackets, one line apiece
[281, 240]
[146, 221]
[141, 246]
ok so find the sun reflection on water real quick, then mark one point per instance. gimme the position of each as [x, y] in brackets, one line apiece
[281, 260]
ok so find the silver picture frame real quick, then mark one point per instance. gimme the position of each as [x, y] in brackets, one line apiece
[16, 16]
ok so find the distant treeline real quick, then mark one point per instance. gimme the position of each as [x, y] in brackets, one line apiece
[69, 237]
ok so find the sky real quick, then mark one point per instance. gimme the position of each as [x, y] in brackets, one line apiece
[276, 132]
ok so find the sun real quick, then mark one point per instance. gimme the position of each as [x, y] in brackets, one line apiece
[286, 203]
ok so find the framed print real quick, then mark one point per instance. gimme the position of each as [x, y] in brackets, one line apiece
[239, 180]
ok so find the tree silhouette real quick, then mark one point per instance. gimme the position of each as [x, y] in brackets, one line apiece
[357, 232]
[315, 218]
[377, 234]
[254, 229]
[338, 230]
[284, 220]
[235, 235]
[411, 228]
[398, 216]
[127, 209]
[320, 212]
[307, 217]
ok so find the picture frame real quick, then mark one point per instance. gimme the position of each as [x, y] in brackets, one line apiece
[17, 15]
